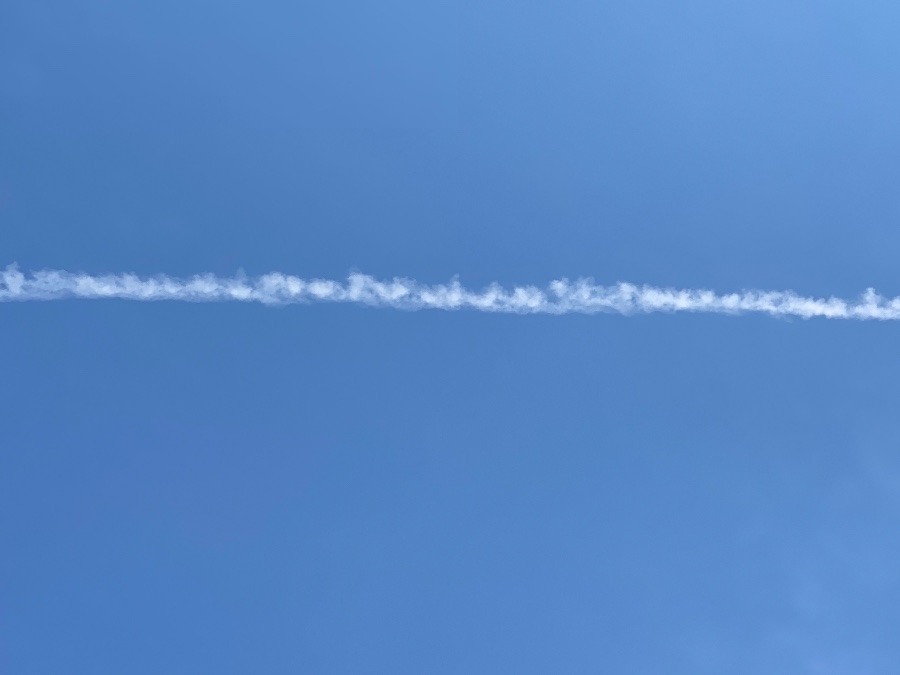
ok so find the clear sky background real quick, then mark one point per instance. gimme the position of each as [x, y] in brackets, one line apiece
[334, 489]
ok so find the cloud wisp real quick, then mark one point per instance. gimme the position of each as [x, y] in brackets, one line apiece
[582, 296]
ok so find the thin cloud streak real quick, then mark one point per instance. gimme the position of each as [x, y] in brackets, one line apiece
[582, 296]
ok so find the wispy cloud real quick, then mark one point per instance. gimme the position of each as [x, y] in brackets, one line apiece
[582, 296]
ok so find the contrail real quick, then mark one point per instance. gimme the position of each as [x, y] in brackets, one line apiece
[582, 296]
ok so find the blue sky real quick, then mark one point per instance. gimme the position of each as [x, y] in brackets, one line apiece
[235, 488]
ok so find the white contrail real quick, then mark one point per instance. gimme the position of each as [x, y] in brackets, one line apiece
[562, 296]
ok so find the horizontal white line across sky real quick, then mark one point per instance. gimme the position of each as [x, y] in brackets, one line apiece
[581, 296]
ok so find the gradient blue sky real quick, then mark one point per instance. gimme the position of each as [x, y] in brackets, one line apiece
[334, 489]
